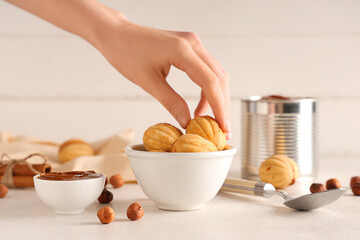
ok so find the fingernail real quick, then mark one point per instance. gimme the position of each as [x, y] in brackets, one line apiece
[182, 121]
[228, 136]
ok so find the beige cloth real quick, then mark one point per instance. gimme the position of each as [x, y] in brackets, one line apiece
[110, 157]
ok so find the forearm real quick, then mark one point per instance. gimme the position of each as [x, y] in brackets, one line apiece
[85, 18]
[143, 55]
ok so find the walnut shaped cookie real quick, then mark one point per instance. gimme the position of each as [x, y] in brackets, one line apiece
[193, 143]
[208, 128]
[279, 170]
[160, 137]
[74, 148]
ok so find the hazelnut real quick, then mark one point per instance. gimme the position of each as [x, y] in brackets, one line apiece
[333, 183]
[317, 187]
[105, 197]
[135, 211]
[354, 180]
[117, 181]
[3, 191]
[356, 188]
[106, 215]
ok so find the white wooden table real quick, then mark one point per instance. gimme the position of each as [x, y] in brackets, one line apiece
[227, 216]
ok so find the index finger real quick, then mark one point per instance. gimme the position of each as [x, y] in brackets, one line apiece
[200, 73]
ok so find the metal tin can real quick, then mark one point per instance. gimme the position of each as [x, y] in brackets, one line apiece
[279, 125]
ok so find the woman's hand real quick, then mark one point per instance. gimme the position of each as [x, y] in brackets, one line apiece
[144, 56]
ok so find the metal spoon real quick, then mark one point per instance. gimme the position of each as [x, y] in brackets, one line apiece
[303, 203]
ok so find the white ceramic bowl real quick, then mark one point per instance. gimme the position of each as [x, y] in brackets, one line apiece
[69, 197]
[180, 181]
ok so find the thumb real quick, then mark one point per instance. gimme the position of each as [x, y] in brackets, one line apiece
[173, 102]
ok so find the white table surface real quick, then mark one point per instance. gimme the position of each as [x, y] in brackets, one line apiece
[227, 216]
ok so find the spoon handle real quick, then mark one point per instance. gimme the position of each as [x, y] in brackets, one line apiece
[248, 187]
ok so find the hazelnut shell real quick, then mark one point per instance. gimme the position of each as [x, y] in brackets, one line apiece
[106, 215]
[106, 196]
[356, 188]
[135, 211]
[3, 190]
[117, 181]
[354, 180]
[317, 187]
[333, 183]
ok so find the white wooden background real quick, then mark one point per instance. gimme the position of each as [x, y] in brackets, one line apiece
[56, 86]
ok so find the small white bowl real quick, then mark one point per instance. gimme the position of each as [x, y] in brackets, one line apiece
[69, 197]
[180, 181]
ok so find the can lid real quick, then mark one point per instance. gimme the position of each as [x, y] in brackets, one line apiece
[277, 98]
[279, 105]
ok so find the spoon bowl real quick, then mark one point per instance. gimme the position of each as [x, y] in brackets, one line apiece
[315, 200]
[303, 203]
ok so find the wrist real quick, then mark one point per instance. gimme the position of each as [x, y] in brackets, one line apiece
[103, 25]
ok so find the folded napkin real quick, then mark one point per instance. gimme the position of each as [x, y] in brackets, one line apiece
[110, 157]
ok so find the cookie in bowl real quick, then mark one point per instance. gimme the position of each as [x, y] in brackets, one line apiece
[160, 137]
[193, 143]
[208, 128]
